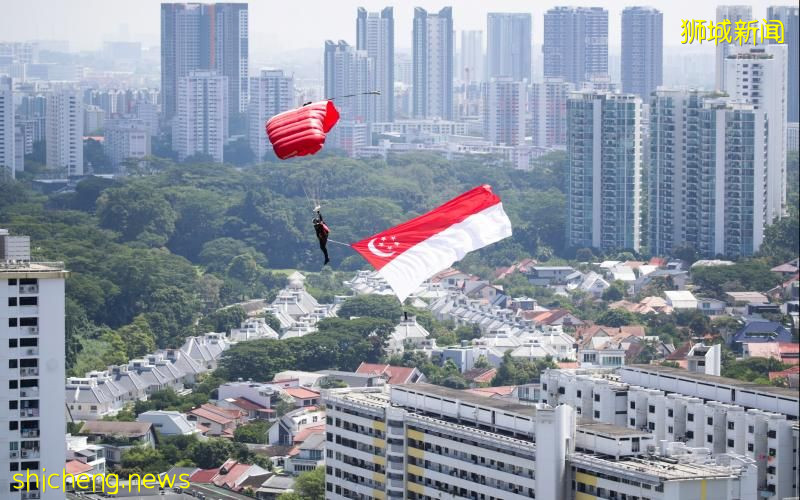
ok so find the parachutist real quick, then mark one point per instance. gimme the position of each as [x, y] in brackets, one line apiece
[322, 234]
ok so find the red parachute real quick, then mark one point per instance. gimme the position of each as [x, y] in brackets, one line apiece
[301, 131]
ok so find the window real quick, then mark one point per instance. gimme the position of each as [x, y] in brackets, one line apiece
[633, 405]
[670, 429]
[710, 421]
[771, 434]
[597, 397]
[12, 343]
[709, 438]
[561, 390]
[730, 425]
[12, 405]
[596, 414]
[12, 322]
[772, 452]
[13, 425]
[750, 429]
[12, 384]
[633, 422]
[12, 301]
[12, 282]
[669, 412]
[651, 409]
[730, 443]
[651, 426]
[29, 322]
[12, 363]
[749, 446]
[690, 417]
[29, 301]
[690, 434]
[578, 393]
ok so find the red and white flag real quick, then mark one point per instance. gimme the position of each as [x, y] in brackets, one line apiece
[408, 254]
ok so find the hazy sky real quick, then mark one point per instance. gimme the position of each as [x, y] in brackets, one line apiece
[280, 25]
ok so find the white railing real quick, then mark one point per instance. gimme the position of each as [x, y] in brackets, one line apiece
[30, 371]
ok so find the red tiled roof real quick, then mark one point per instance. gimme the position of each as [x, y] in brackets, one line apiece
[246, 404]
[396, 374]
[303, 434]
[567, 365]
[235, 471]
[680, 353]
[225, 412]
[794, 370]
[75, 467]
[210, 415]
[204, 476]
[658, 261]
[504, 390]
[301, 393]
[480, 375]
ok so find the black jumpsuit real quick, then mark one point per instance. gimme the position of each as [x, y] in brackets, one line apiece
[322, 235]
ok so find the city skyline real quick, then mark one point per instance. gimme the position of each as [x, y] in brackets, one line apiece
[271, 34]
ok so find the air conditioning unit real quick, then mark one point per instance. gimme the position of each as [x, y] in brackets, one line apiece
[33, 330]
[13, 454]
[30, 352]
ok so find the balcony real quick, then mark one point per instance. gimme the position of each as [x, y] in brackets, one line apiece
[29, 392]
[30, 351]
[30, 453]
[31, 330]
[28, 289]
[31, 371]
[13, 454]
[29, 433]
[30, 495]
[29, 412]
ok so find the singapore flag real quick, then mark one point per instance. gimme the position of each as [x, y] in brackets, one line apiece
[408, 254]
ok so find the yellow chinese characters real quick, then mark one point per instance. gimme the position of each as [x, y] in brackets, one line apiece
[741, 32]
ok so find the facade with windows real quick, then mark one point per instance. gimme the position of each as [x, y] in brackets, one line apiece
[31, 367]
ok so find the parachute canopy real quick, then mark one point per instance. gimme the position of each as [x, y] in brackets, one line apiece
[301, 131]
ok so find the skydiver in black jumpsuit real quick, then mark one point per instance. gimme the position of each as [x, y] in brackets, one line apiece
[322, 234]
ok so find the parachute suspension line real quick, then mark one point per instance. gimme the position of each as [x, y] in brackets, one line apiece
[370, 92]
[338, 242]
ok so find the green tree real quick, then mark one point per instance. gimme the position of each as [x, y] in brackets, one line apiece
[142, 460]
[254, 432]
[373, 306]
[138, 338]
[514, 371]
[223, 319]
[211, 453]
[310, 485]
[616, 318]
[137, 213]
[614, 292]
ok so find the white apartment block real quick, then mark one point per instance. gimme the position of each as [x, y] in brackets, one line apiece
[7, 129]
[421, 127]
[271, 93]
[759, 75]
[64, 131]
[126, 139]
[32, 366]
[732, 13]
[701, 414]
[425, 442]
[375, 35]
[548, 109]
[504, 111]
[433, 53]
[201, 119]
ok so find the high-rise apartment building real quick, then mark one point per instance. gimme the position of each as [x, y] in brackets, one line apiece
[731, 13]
[508, 45]
[7, 128]
[64, 131]
[471, 65]
[504, 111]
[604, 148]
[708, 174]
[349, 71]
[201, 121]
[271, 92]
[548, 108]
[758, 75]
[212, 37]
[32, 328]
[575, 43]
[126, 139]
[642, 50]
[790, 17]
[421, 441]
[375, 35]
[433, 64]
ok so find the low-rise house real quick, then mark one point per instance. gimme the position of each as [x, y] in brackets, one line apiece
[307, 455]
[605, 347]
[216, 421]
[532, 350]
[548, 275]
[252, 411]
[787, 353]
[759, 332]
[251, 329]
[303, 396]
[117, 437]
[680, 299]
[84, 457]
[648, 305]
[592, 283]
[711, 306]
[407, 332]
[169, 423]
[275, 486]
[286, 428]
[465, 356]
[791, 375]
[452, 278]
[351, 379]
[555, 317]
[787, 269]
[393, 375]
[744, 298]
[231, 475]
[297, 378]
[264, 395]
[476, 377]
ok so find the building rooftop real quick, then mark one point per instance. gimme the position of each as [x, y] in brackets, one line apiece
[713, 379]
[120, 429]
[601, 429]
[470, 398]
[658, 469]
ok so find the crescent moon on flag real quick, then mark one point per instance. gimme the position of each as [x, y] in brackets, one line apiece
[371, 246]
